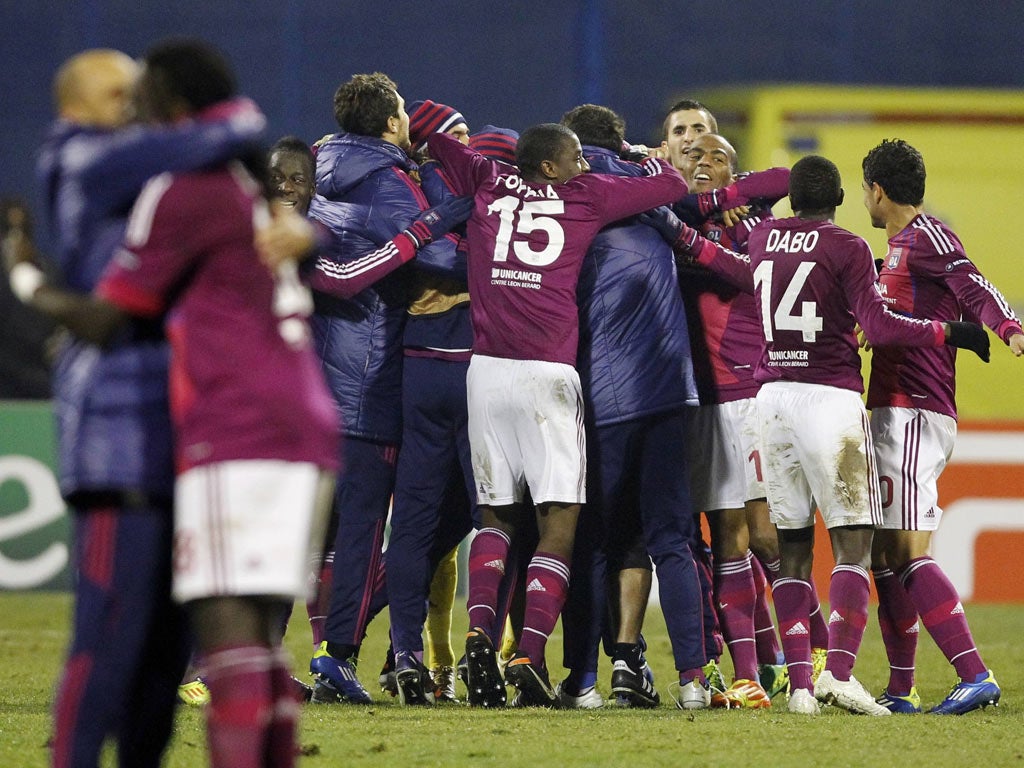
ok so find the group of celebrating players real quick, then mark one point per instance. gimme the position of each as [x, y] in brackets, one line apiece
[571, 344]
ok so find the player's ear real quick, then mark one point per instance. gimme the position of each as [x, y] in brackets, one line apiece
[547, 167]
[842, 195]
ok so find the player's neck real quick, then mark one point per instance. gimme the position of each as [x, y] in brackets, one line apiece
[900, 218]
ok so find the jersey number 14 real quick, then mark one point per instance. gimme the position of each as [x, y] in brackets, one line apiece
[785, 318]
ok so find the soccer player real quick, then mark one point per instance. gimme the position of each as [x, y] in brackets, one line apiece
[926, 272]
[527, 237]
[292, 169]
[685, 121]
[813, 281]
[128, 648]
[725, 461]
[637, 378]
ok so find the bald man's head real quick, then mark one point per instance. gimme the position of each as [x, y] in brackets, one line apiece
[94, 88]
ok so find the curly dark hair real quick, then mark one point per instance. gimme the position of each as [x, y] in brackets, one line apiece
[897, 168]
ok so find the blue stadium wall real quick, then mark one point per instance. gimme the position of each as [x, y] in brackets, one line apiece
[510, 64]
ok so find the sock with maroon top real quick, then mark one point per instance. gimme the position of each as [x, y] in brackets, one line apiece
[848, 597]
[241, 705]
[818, 627]
[488, 556]
[765, 640]
[735, 592]
[547, 584]
[281, 744]
[897, 619]
[942, 614]
[792, 607]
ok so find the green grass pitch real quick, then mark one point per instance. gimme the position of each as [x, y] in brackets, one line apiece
[33, 633]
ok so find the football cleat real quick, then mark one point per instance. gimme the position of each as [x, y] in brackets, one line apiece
[531, 681]
[303, 692]
[484, 684]
[901, 705]
[746, 694]
[443, 678]
[585, 699]
[847, 694]
[632, 687]
[694, 694]
[194, 693]
[713, 673]
[336, 679]
[965, 697]
[774, 678]
[802, 702]
[386, 678]
[415, 688]
[819, 657]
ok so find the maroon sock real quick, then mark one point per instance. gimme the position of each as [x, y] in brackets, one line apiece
[735, 592]
[897, 619]
[942, 614]
[281, 736]
[765, 640]
[848, 596]
[487, 559]
[818, 626]
[240, 710]
[792, 606]
[547, 583]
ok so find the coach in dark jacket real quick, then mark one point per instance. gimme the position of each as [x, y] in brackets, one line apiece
[366, 196]
[637, 377]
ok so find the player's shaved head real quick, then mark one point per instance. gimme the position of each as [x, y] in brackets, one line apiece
[712, 142]
[94, 87]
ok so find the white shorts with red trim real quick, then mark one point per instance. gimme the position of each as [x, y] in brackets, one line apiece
[247, 528]
[912, 447]
[724, 453]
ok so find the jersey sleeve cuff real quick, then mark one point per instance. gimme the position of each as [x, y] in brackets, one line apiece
[129, 298]
[1007, 328]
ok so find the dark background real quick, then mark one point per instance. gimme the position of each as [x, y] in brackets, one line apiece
[511, 64]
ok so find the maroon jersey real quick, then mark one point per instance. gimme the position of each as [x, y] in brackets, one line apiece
[245, 383]
[527, 241]
[927, 274]
[813, 282]
[725, 328]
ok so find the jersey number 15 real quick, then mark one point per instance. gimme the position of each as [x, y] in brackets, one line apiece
[532, 216]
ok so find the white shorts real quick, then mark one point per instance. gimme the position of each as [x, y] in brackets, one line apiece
[912, 448]
[247, 528]
[724, 450]
[816, 447]
[526, 429]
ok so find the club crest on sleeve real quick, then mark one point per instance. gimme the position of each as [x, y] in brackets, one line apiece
[894, 257]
